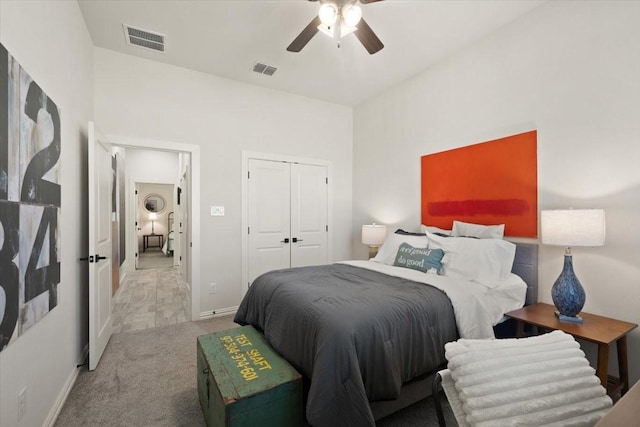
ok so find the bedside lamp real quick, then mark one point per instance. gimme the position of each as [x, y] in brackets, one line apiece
[373, 235]
[572, 227]
[152, 218]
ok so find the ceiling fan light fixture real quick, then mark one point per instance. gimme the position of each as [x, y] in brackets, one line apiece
[328, 13]
[352, 13]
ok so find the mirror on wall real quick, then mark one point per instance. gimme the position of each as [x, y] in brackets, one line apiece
[154, 203]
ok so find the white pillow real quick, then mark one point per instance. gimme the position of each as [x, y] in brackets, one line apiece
[466, 229]
[431, 229]
[389, 249]
[487, 261]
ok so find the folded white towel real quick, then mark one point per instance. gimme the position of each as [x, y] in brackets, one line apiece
[530, 342]
[466, 351]
[554, 416]
[466, 365]
[523, 393]
[530, 381]
[501, 381]
[529, 374]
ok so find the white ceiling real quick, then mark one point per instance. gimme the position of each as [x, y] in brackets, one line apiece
[226, 38]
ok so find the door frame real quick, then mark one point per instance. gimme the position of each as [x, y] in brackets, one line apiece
[194, 200]
[246, 155]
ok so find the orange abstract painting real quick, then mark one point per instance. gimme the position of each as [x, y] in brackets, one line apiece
[494, 182]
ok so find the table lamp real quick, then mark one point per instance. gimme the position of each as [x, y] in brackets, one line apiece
[373, 235]
[152, 218]
[571, 227]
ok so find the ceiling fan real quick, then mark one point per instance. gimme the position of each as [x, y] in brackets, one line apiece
[337, 18]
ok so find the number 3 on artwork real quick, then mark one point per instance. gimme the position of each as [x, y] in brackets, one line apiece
[9, 223]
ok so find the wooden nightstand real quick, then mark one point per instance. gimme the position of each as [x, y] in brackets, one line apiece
[597, 329]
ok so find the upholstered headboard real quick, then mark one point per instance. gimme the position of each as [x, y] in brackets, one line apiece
[525, 265]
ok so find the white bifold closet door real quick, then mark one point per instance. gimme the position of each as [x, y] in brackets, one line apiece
[288, 205]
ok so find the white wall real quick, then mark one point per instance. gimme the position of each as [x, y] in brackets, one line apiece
[145, 99]
[571, 70]
[51, 42]
[161, 167]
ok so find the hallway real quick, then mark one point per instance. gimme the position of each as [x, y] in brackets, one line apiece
[151, 298]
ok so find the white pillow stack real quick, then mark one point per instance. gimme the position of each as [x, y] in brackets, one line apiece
[542, 380]
[487, 261]
[481, 256]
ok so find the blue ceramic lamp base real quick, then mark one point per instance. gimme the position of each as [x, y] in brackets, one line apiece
[571, 319]
[568, 294]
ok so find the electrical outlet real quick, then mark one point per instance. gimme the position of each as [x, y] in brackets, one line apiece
[22, 403]
[213, 288]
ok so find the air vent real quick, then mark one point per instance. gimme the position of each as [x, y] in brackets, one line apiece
[144, 38]
[264, 69]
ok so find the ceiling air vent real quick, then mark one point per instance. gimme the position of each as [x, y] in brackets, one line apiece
[144, 38]
[264, 69]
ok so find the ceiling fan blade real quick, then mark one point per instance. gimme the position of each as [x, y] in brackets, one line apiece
[363, 1]
[304, 37]
[368, 38]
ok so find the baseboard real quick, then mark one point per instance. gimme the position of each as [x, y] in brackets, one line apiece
[64, 393]
[218, 313]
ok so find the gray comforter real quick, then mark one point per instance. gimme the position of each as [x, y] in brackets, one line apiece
[357, 334]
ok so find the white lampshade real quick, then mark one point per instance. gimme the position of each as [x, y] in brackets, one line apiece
[153, 216]
[352, 13]
[573, 227]
[328, 13]
[373, 234]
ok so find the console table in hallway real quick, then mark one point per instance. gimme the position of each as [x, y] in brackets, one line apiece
[145, 241]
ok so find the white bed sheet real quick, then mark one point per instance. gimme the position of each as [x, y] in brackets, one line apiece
[477, 307]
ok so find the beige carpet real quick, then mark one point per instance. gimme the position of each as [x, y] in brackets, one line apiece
[148, 378]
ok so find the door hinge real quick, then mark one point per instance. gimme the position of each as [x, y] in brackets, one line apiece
[326, 180]
[136, 192]
[136, 223]
[136, 254]
[326, 228]
[190, 244]
[180, 257]
[248, 174]
[248, 230]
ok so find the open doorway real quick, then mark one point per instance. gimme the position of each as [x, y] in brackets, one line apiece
[178, 223]
[155, 232]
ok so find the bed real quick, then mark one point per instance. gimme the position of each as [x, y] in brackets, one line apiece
[364, 332]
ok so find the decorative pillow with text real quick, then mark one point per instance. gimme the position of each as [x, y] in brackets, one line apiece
[421, 259]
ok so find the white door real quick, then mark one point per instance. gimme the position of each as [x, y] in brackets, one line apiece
[287, 216]
[269, 195]
[182, 228]
[138, 232]
[309, 192]
[100, 181]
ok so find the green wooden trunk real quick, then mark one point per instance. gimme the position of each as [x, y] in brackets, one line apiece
[243, 382]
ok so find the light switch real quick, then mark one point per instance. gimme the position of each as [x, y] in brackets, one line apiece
[217, 210]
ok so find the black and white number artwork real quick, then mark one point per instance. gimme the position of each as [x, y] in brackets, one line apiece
[29, 201]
